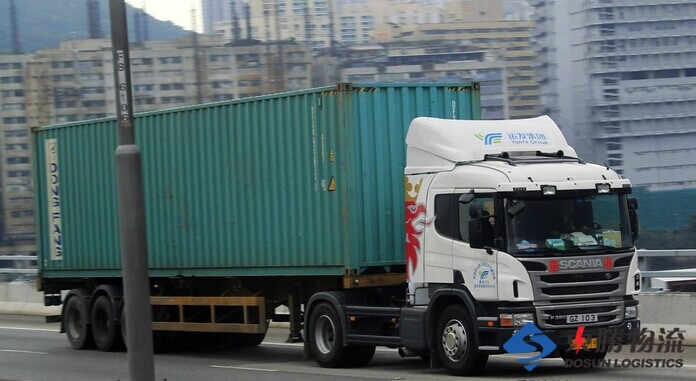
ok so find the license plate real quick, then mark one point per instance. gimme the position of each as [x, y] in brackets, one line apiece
[581, 318]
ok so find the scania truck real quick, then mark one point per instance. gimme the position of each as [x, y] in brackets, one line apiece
[381, 215]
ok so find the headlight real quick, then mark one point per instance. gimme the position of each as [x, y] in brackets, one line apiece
[548, 190]
[516, 320]
[631, 312]
[603, 188]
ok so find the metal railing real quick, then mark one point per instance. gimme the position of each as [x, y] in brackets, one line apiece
[17, 264]
[681, 273]
[21, 268]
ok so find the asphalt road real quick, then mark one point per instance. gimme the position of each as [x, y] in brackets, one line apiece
[31, 350]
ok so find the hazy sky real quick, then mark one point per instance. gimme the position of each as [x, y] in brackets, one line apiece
[176, 11]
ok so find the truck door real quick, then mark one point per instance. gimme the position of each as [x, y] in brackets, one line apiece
[438, 256]
[478, 267]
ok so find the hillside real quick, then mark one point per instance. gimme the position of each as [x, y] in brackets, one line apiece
[44, 23]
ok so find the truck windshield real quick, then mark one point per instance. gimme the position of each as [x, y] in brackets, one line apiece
[570, 225]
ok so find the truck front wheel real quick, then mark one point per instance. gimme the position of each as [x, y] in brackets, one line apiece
[75, 318]
[326, 339]
[455, 343]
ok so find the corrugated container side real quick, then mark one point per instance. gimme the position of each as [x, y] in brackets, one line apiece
[307, 182]
[381, 114]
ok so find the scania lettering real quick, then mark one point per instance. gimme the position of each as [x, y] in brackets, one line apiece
[304, 198]
[592, 263]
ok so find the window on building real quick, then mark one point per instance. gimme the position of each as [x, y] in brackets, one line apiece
[16, 174]
[16, 133]
[17, 160]
[220, 58]
[172, 86]
[10, 66]
[14, 120]
[141, 61]
[169, 60]
[62, 64]
[12, 106]
[12, 79]
[94, 103]
[22, 213]
[12, 93]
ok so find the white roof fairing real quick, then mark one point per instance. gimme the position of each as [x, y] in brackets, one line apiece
[439, 144]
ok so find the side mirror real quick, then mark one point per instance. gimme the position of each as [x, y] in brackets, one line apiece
[633, 217]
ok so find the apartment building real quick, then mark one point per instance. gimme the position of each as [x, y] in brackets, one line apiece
[75, 82]
[620, 74]
[506, 42]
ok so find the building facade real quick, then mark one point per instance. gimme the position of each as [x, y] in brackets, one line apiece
[620, 75]
[75, 82]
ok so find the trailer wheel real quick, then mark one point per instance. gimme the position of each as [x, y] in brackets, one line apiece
[326, 337]
[456, 343]
[76, 323]
[104, 330]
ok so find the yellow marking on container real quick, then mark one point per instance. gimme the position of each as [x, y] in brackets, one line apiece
[332, 184]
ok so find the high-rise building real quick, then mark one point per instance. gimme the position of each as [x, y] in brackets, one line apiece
[506, 42]
[316, 22]
[618, 76]
[15, 156]
[75, 82]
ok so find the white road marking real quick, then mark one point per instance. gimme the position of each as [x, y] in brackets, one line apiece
[25, 352]
[30, 329]
[243, 368]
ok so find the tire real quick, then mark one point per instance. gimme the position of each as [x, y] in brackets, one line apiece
[359, 355]
[75, 318]
[105, 331]
[455, 343]
[326, 338]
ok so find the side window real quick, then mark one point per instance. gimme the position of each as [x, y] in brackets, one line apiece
[446, 215]
[487, 206]
[452, 218]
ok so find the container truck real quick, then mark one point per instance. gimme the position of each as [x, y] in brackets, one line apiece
[379, 214]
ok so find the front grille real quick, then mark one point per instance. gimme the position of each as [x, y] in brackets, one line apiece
[554, 316]
[595, 285]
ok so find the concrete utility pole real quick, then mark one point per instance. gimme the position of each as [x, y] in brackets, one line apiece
[131, 210]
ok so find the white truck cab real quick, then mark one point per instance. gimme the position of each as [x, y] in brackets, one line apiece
[504, 219]
[504, 228]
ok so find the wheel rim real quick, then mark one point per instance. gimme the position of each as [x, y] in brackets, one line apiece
[454, 340]
[325, 334]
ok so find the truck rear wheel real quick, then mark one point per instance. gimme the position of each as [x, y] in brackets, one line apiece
[455, 343]
[104, 330]
[75, 318]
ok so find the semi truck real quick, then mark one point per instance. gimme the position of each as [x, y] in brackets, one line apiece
[379, 214]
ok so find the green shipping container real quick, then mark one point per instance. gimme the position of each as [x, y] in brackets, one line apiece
[299, 183]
